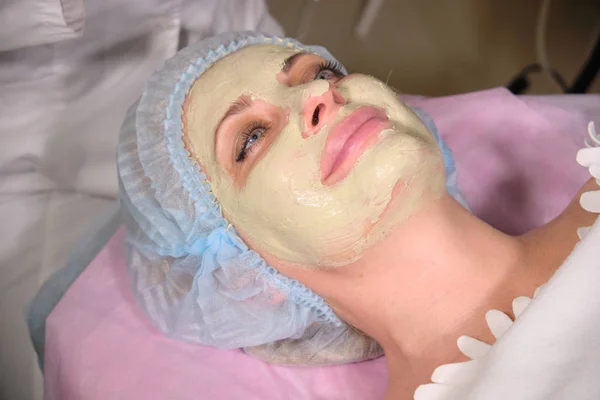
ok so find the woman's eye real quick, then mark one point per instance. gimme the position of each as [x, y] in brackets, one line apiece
[254, 136]
[328, 70]
[251, 137]
[325, 74]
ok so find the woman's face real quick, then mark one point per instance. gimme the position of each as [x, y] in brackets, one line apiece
[310, 166]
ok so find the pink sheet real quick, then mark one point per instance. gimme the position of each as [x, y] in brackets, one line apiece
[516, 166]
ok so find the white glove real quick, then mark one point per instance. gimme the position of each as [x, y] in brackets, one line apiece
[590, 158]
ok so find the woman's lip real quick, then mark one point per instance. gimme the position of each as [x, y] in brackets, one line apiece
[348, 140]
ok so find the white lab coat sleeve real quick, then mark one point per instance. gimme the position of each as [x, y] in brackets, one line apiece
[25, 23]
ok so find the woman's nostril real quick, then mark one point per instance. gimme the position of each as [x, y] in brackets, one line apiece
[315, 116]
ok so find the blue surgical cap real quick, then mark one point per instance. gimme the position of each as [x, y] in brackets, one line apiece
[192, 274]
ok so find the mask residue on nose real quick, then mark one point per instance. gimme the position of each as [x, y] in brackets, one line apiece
[311, 96]
[284, 209]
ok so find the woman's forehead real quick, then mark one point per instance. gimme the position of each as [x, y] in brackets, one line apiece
[251, 62]
[249, 71]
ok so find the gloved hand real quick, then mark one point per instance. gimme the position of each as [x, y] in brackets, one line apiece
[590, 158]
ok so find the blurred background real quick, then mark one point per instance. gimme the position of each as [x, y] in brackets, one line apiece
[437, 47]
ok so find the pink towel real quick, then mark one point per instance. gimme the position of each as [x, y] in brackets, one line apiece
[516, 166]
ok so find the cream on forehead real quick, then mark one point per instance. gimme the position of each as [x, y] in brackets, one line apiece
[246, 71]
[283, 207]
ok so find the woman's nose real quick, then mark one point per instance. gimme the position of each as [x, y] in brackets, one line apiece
[320, 109]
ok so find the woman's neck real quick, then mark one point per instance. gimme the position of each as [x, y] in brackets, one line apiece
[433, 280]
[429, 282]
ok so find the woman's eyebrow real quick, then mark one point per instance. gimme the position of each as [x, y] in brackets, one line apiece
[289, 62]
[240, 105]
